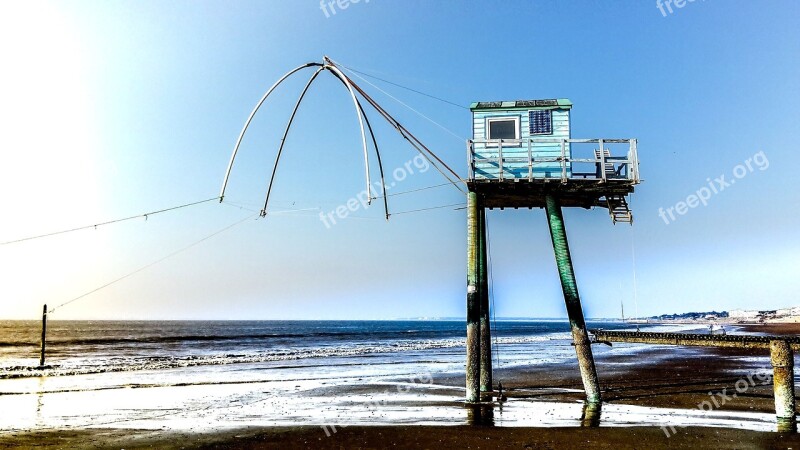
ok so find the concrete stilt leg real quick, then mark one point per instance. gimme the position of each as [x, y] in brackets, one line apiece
[473, 301]
[782, 358]
[485, 323]
[580, 336]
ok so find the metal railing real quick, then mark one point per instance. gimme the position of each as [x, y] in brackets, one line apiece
[607, 165]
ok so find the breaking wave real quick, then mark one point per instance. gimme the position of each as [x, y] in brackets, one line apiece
[125, 364]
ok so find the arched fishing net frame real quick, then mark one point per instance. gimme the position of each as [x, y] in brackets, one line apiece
[353, 89]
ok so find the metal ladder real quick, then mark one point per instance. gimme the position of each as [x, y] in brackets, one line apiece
[618, 209]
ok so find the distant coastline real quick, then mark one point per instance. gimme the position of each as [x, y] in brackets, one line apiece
[735, 316]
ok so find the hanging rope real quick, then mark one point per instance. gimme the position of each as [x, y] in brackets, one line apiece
[181, 250]
[451, 132]
[403, 87]
[633, 264]
[496, 346]
[138, 216]
[428, 209]
[418, 189]
[416, 143]
[413, 140]
[245, 207]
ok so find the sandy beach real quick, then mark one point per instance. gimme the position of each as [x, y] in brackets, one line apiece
[426, 437]
[645, 392]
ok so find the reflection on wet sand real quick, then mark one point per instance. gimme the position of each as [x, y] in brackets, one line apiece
[324, 401]
[481, 414]
[590, 416]
[786, 425]
[40, 403]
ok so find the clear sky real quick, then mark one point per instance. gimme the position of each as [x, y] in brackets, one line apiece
[110, 109]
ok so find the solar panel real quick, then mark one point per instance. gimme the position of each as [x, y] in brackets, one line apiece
[489, 104]
[540, 121]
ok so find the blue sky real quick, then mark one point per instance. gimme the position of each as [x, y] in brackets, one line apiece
[117, 108]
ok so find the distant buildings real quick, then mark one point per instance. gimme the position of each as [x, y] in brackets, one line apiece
[743, 314]
[710, 315]
[740, 316]
[793, 312]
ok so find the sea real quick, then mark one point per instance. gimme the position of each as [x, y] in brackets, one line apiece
[90, 347]
[202, 376]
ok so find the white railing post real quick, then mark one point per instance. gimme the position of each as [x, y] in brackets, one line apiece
[563, 160]
[500, 157]
[602, 161]
[629, 173]
[530, 161]
[635, 151]
[470, 159]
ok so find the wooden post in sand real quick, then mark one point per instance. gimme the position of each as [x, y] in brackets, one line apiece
[782, 358]
[483, 293]
[473, 302]
[44, 334]
[580, 337]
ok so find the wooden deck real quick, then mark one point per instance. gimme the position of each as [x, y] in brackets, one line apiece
[522, 193]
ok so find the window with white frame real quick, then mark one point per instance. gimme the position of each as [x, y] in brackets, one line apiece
[506, 128]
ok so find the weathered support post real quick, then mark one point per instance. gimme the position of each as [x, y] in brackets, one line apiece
[44, 334]
[590, 415]
[580, 337]
[473, 302]
[782, 359]
[483, 292]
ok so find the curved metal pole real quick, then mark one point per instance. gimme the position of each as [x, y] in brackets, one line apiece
[283, 139]
[250, 118]
[377, 153]
[344, 80]
[380, 164]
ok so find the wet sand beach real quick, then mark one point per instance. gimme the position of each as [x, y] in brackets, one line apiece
[424, 437]
[644, 391]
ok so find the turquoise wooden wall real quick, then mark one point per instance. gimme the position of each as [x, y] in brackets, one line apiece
[516, 157]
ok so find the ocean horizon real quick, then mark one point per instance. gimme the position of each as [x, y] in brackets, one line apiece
[77, 347]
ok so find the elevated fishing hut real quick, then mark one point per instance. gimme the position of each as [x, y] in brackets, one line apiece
[522, 155]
